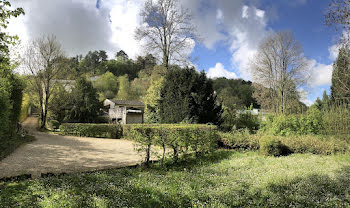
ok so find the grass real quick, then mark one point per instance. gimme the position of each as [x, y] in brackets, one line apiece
[8, 146]
[223, 179]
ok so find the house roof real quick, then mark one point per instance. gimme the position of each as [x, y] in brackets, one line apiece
[128, 102]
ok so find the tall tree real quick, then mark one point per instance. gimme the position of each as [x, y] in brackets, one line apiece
[43, 60]
[84, 106]
[279, 65]
[94, 62]
[11, 86]
[124, 92]
[122, 56]
[107, 86]
[188, 96]
[167, 30]
[338, 15]
[325, 101]
[340, 88]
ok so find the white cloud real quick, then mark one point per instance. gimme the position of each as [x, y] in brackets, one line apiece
[125, 19]
[220, 71]
[78, 25]
[245, 11]
[333, 52]
[321, 74]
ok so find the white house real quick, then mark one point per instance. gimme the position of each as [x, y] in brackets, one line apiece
[125, 111]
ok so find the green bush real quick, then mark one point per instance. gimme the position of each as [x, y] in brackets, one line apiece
[240, 140]
[92, 130]
[272, 146]
[316, 144]
[180, 138]
[54, 124]
[285, 125]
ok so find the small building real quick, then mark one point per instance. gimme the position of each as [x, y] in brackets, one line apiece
[125, 111]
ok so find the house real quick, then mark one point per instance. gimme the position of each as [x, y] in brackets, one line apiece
[125, 111]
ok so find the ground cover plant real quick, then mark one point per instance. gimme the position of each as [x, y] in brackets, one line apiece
[222, 179]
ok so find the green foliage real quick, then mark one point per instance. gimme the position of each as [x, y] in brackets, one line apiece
[180, 138]
[61, 102]
[91, 130]
[341, 77]
[107, 86]
[54, 124]
[85, 105]
[120, 68]
[271, 146]
[152, 97]
[124, 92]
[235, 92]
[26, 103]
[189, 95]
[309, 123]
[95, 62]
[321, 145]
[240, 140]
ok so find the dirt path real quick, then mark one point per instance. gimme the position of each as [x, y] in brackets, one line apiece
[64, 154]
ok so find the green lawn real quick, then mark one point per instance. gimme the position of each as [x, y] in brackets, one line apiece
[224, 179]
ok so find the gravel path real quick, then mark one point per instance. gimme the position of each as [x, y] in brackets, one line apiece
[65, 154]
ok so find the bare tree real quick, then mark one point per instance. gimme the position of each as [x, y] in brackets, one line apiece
[42, 60]
[280, 67]
[338, 15]
[166, 29]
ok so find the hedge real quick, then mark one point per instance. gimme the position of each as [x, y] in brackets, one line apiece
[315, 144]
[180, 138]
[91, 130]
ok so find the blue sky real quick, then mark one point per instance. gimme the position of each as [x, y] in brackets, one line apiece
[231, 31]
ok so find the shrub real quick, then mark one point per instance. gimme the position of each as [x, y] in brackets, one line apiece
[248, 121]
[272, 146]
[283, 125]
[316, 144]
[92, 130]
[240, 140]
[180, 138]
[54, 124]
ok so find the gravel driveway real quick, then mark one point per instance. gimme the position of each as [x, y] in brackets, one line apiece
[65, 154]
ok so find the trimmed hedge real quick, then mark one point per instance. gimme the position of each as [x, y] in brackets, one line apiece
[315, 144]
[272, 146]
[180, 138]
[91, 130]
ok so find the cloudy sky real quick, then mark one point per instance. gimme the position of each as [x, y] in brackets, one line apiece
[231, 31]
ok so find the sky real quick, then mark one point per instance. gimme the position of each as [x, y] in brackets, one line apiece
[231, 31]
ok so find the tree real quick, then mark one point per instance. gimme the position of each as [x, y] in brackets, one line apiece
[11, 86]
[124, 92]
[94, 62]
[340, 88]
[325, 101]
[338, 15]
[167, 29]
[152, 97]
[107, 86]
[43, 61]
[84, 106]
[280, 67]
[122, 56]
[235, 92]
[188, 96]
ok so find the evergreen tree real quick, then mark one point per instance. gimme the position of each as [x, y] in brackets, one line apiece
[85, 105]
[188, 96]
[340, 88]
[325, 101]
